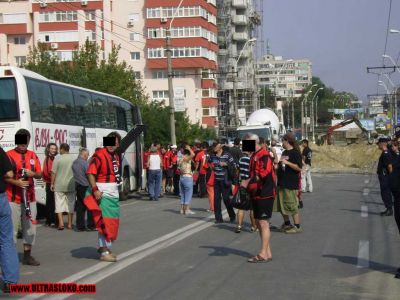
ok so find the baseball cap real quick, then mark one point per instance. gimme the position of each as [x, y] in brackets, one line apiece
[174, 147]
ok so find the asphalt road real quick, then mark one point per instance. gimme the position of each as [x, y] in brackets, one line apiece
[347, 251]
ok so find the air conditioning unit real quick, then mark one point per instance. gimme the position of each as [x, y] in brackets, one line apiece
[164, 20]
[131, 23]
[43, 4]
[84, 2]
[54, 46]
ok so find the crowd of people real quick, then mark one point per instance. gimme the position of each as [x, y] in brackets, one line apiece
[272, 174]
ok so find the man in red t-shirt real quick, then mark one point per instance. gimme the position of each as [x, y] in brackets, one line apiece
[104, 176]
[169, 171]
[26, 166]
[201, 168]
[51, 152]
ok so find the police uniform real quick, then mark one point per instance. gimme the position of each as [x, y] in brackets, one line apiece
[384, 160]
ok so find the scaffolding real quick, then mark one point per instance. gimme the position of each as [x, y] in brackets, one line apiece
[238, 21]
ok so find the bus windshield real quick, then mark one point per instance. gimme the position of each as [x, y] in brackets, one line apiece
[261, 132]
[8, 100]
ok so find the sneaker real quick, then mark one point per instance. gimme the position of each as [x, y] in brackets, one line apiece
[108, 257]
[181, 212]
[253, 229]
[285, 227]
[387, 213]
[190, 212]
[30, 261]
[238, 229]
[294, 229]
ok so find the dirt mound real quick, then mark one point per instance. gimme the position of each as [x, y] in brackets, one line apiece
[355, 156]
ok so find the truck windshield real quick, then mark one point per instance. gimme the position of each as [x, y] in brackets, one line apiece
[8, 100]
[261, 132]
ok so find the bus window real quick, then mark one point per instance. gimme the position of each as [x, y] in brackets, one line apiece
[126, 107]
[40, 101]
[100, 110]
[8, 100]
[84, 108]
[64, 108]
[113, 105]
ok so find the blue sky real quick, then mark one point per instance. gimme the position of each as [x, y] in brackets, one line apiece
[341, 38]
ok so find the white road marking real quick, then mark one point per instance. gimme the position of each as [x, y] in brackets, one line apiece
[363, 254]
[364, 211]
[365, 192]
[102, 270]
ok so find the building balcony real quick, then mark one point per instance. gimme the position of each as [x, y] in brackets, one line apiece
[223, 52]
[239, 3]
[240, 36]
[239, 20]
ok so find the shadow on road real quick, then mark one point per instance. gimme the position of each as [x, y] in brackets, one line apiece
[225, 251]
[372, 202]
[85, 252]
[375, 266]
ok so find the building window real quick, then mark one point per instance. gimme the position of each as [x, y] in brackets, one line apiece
[133, 17]
[135, 37]
[135, 55]
[160, 95]
[209, 111]
[20, 60]
[137, 75]
[90, 15]
[19, 40]
[159, 74]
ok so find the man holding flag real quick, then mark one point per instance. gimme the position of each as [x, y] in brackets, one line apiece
[103, 197]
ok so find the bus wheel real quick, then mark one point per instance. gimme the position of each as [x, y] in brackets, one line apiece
[125, 185]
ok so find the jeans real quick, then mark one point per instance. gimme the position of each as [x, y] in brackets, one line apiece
[306, 179]
[103, 242]
[9, 262]
[186, 189]
[155, 183]
[221, 189]
[385, 191]
[81, 209]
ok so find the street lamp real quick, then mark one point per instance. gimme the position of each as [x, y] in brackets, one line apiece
[305, 110]
[278, 110]
[312, 114]
[393, 62]
[170, 75]
[392, 108]
[235, 75]
[394, 31]
[302, 113]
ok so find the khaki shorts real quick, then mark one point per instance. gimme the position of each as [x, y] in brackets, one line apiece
[287, 202]
[28, 229]
[65, 202]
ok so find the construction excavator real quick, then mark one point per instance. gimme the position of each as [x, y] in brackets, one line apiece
[351, 137]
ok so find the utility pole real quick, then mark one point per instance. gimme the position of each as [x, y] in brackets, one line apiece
[235, 96]
[292, 110]
[316, 112]
[305, 121]
[170, 87]
[302, 116]
[312, 120]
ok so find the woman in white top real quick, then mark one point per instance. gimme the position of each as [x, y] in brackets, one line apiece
[154, 165]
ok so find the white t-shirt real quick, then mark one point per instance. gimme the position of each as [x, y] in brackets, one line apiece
[279, 151]
[154, 162]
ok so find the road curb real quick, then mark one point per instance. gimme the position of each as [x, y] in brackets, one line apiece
[342, 171]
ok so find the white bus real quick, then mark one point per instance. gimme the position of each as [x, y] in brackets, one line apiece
[61, 113]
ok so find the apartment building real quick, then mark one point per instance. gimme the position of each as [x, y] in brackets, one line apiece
[237, 20]
[139, 28]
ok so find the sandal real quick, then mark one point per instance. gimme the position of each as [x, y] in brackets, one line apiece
[61, 228]
[259, 259]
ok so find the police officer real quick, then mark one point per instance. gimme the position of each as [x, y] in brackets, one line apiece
[383, 171]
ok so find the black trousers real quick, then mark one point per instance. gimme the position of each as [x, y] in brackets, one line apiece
[224, 191]
[202, 185]
[50, 206]
[176, 184]
[386, 194]
[81, 209]
[396, 195]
